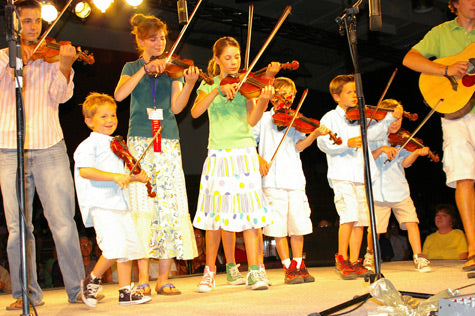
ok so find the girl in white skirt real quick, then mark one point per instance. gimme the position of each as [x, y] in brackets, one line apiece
[230, 197]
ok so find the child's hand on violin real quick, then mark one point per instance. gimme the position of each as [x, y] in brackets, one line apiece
[141, 177]
[272, 69]
[322, 130]
[191, 74]
[263, 166]
[398, 111]
[156, 66]
[229, 90]
[121, 179]
[67, 56]
[389, 151]
[267, 93]
[424, 151]
[355, 142]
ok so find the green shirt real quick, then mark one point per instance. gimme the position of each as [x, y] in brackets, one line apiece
[228, 126]
[141, 98]
[446, 39]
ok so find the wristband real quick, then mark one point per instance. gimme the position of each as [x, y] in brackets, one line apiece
[219, 90]
[446, 68]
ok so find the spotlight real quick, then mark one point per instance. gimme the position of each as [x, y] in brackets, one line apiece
[48, 11]
[102, 4]
[82, 9]
[134, 3]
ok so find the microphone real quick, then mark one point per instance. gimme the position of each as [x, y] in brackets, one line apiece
[375, 21]
[182, 9]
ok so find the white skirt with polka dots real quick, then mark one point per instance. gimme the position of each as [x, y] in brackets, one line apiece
[230, 196]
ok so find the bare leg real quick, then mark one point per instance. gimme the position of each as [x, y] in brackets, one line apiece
[282, 247]
[143, 271]
[229, 245]
[124, 272]
[213, 238]
[296, 242]
[465, 199]
[355, 242]
[251, 239]
[414, 236]
[101, 266]
[260, 250]
[344, 233]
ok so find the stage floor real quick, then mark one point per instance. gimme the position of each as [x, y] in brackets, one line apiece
[280, 299]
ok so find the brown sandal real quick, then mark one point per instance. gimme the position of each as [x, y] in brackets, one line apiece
[470, 267]
[18, 304]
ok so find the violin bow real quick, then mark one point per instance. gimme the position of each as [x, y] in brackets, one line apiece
[302, 98]
[418, 128]
[249, 32]
[382, 96]
[45, 34]
[271, 36]
[177, 41]
[146, 149]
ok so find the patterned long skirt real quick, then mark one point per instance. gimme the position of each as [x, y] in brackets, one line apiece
[163, 222]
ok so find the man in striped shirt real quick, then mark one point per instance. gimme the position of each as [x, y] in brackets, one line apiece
[47, 167]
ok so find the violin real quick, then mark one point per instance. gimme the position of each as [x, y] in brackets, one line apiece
[119, 147]
[176, 66]
[256, 81]
[49, 51]
[353, 113]
[399, 138]
[305, 125]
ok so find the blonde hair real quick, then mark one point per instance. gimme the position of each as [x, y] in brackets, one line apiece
[218, 48]
[146, 26]
[284, 82]
[337, 83]
[390, 103]
[93, 101]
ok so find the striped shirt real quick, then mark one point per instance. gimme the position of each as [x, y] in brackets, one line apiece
[43, 89]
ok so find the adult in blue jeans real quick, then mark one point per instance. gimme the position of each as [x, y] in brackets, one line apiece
[47, 167]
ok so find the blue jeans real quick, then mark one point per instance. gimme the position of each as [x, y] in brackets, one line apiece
[49, 171]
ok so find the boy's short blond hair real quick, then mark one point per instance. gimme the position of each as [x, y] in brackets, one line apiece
[93, 101]
[337, 83]
[284, 82]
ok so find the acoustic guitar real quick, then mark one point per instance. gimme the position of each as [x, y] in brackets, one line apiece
[457, 93]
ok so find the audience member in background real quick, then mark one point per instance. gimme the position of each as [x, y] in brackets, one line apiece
[5, 282]
[399, 243]
[86, 251]
[446, 242]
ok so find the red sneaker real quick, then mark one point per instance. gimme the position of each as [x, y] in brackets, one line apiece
[344, 268]
[292, 275]
[360, 269]
[305, 274]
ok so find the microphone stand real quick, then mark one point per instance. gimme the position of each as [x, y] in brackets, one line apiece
[347, 24]
[16, 62]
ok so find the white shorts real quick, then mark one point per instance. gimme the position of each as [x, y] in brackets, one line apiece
[350, 202]
[459, 149]
[290, 211]
[116, 235]
[404, 211]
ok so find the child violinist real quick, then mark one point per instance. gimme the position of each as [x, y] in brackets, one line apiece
[163, 222]
[230, 197]
[391, 192]
[101, 187]
[345, 173]
[283, 183]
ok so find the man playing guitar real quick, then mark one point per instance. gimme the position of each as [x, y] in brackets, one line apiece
[449, 39]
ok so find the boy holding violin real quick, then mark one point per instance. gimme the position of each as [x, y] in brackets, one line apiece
[101, 187]
[345, 173]
[391, 192]
[47, 166]
[283, 183]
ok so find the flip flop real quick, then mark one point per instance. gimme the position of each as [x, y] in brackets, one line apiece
[18, 304]
[144, 288]
[170, 286]
[470, 267]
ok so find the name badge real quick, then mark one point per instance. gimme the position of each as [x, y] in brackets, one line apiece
[155, 114]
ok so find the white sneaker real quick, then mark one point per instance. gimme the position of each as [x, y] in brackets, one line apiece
[262, 271]
[233, 276]
[207, 281]
[368, 260]
[255, 280]
[422, 264]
